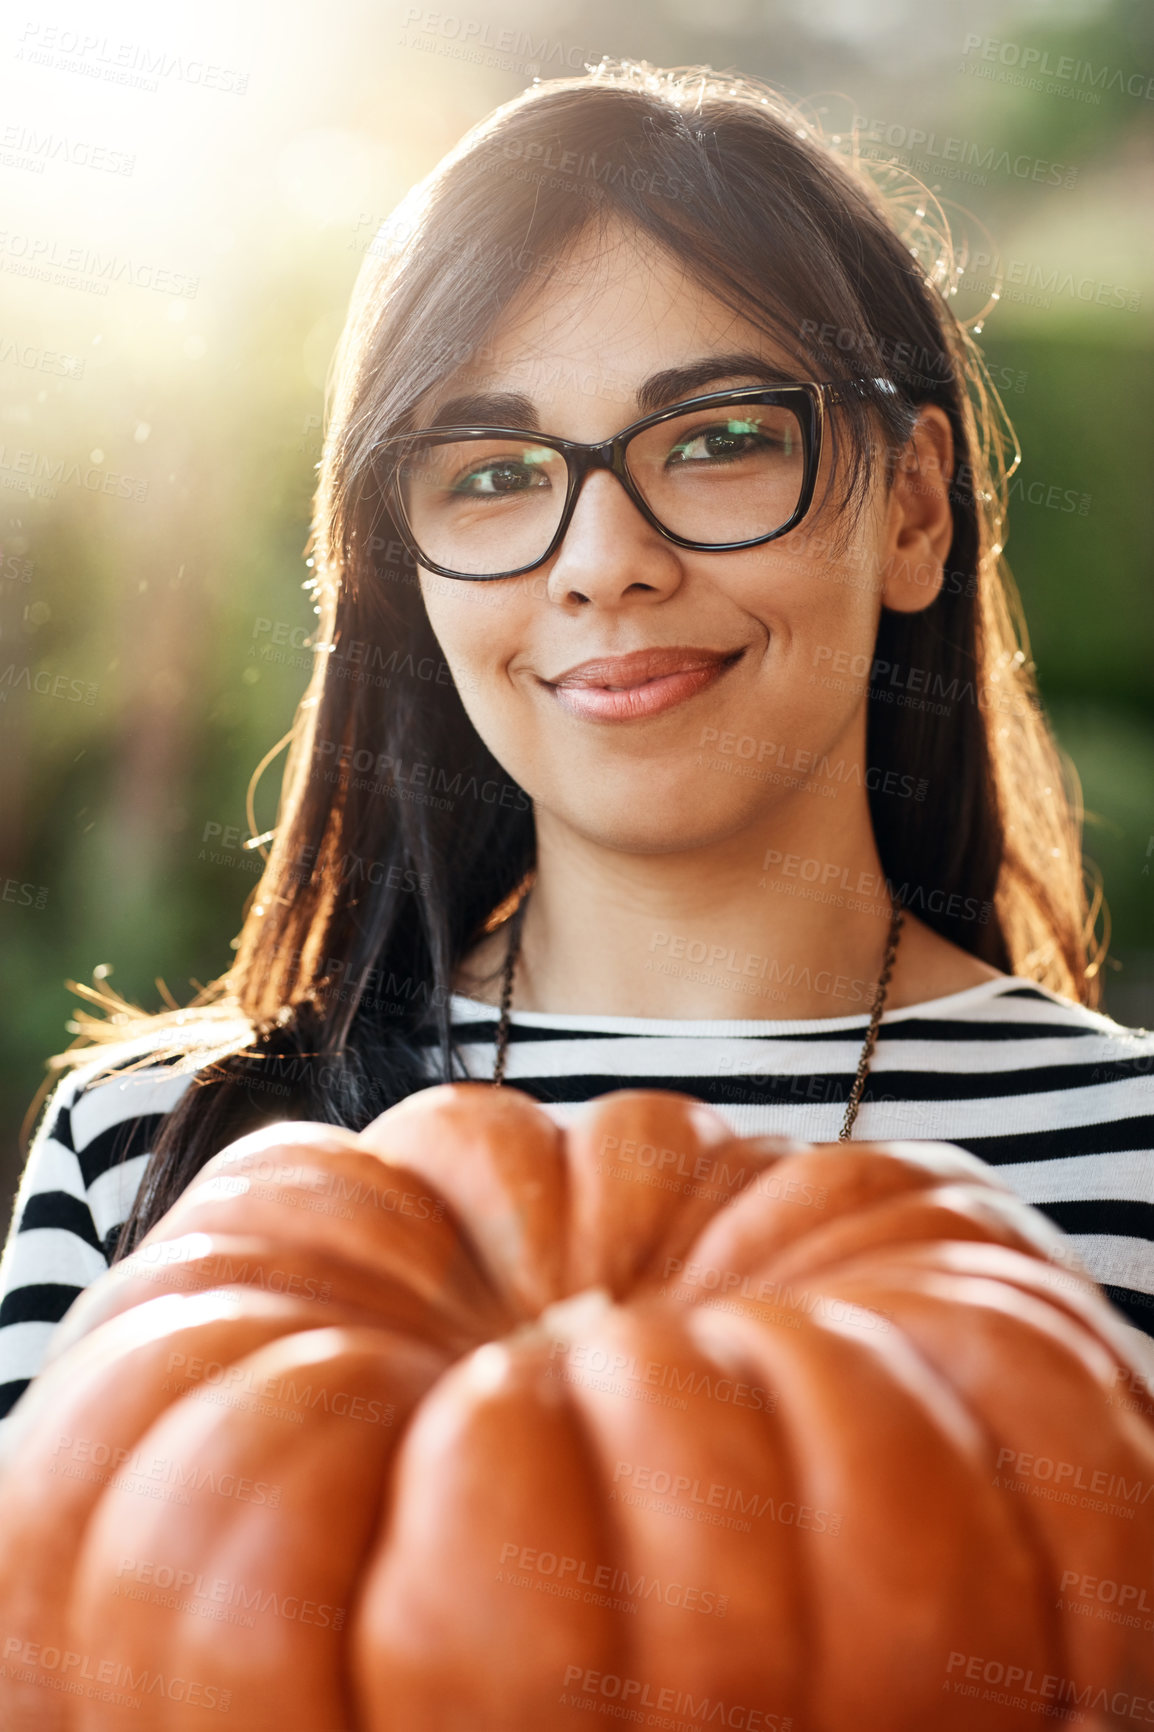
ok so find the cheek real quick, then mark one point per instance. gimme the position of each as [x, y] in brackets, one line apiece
[482, 631]
[819, 588]
[809, 595]
[473, 623]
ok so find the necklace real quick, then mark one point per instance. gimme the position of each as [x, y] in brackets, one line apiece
[863, 1063]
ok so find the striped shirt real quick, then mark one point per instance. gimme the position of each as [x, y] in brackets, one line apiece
[1058, 1098]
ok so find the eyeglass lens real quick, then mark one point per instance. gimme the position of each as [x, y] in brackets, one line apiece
[730, 473]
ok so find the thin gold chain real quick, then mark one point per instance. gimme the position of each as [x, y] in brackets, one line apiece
[867, 1051]
[863, 1064]
[513, 950]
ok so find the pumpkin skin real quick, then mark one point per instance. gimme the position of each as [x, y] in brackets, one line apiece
[472, 1422]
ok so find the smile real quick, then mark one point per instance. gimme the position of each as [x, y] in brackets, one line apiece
[597, 695]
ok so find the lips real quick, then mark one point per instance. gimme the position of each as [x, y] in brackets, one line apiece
[628, 688]
[624, 673]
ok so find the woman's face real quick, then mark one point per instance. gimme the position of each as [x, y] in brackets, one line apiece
[793, 618]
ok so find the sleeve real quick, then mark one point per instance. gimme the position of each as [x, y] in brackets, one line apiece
[53, 1249]
[84, 1168]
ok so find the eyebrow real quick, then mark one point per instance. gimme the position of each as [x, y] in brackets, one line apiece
[514, 409]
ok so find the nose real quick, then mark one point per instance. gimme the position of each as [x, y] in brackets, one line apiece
[610, 554]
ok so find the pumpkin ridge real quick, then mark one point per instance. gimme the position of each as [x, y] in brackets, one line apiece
[1071, 1295]
[785, 1452]
[506, 1180]
[897, 1705]
[624, 1203]
[659, 1327]
[429, 1251]
[1034, 1542]
[924, 1216]
[995, 1307]
[786, 1207]
[493, 1401]
[609, 1539]
[202, 1262]
[257, 1540]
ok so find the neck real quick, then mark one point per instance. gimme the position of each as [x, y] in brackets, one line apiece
[729, 930]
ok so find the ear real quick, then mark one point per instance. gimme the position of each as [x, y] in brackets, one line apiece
[918, 525]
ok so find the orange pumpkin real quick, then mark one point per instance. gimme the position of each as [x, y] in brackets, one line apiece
[472, 1422]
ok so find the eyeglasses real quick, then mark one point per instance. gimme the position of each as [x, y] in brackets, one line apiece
[714, 473]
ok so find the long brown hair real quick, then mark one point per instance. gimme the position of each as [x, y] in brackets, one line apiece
[379, 879]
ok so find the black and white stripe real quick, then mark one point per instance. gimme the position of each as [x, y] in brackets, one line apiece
[1058, 1098]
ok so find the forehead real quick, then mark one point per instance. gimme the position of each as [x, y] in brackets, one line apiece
[611, 328]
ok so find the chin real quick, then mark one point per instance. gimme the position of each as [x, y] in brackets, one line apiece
[641, 824]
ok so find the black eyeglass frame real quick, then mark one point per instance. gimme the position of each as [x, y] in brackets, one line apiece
[810, 401]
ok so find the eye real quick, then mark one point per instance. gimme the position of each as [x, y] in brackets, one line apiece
[504, 475]
[725, 442]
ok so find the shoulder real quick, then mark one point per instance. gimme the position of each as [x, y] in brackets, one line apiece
[85, 1164]
[929, 966]
[938, 972]
[1033, 1024]
[107, 1105]
[1040, 1008]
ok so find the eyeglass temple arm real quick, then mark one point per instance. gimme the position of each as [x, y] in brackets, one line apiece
[836, 392]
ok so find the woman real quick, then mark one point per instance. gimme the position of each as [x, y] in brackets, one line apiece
[670, 727]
